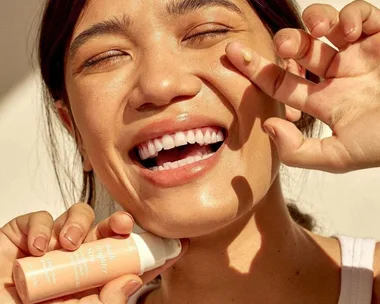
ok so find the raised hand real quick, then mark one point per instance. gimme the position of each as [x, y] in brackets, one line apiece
[348, 97]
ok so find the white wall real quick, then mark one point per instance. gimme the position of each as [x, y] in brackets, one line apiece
[347, 203]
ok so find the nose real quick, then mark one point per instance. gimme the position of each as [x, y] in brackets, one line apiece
[164, 78]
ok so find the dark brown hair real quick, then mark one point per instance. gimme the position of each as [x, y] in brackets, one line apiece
[58, 23]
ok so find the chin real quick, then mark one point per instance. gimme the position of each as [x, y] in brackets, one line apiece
[197, 209]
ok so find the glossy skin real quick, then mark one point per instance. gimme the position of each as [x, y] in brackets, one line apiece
[235, 241]
[166, 73]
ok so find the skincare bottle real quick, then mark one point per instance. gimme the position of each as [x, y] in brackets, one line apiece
[61, 272]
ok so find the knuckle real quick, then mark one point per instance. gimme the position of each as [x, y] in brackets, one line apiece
[320, 11]
[45, 214]
[40, 220]
[353, 6]
[313, 9]
[82, 215]
[84, 210]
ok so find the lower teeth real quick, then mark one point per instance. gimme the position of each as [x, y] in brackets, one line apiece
[181, 163]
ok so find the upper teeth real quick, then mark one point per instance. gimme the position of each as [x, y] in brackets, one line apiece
[203, 136]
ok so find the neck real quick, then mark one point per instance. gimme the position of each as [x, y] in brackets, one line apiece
[256, 259]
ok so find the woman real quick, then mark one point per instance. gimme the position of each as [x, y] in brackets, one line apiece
[145, 85]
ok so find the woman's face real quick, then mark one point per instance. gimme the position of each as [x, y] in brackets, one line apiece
[142, 76]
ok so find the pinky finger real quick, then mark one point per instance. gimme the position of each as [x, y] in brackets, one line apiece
[295, 150]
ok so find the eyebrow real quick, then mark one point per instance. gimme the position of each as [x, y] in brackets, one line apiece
[120, 26]
[188, 6]
[112, 26]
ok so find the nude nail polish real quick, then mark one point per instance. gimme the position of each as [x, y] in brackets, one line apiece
[40, 243]
[59, 273]
[74, 235]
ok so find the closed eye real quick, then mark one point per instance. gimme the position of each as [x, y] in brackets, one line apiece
[105, 59]
[213, 33]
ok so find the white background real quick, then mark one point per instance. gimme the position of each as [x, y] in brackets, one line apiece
[347, 203]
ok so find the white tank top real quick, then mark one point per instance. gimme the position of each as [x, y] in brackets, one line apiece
[357, 270]
[356, 273]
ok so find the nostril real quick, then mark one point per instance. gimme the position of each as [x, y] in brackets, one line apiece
[146, 107]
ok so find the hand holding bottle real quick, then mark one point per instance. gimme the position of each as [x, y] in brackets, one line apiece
[35, 234]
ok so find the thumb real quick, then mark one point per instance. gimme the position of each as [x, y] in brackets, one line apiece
[295, 150]
[287, 138]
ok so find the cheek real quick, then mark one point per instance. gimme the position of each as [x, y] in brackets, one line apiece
[250, 108]
[247, 103]
[97, 106]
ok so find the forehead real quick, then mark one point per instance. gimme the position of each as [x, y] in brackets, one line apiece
[137, 10]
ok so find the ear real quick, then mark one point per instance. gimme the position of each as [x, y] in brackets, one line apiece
[66, 119]
[293, 67]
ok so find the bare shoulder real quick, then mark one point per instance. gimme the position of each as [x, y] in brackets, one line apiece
[376, 276]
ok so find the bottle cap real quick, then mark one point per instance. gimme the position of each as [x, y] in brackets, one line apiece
[154, 251]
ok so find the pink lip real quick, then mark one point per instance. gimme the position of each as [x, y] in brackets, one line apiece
[170, 126]
[185, 174]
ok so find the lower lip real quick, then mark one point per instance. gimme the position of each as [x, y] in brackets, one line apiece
[183, 175]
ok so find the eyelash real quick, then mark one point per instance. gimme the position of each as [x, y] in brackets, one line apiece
[197, 38]
[106, 58]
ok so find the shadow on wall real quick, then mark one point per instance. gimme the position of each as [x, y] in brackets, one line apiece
[19, 22]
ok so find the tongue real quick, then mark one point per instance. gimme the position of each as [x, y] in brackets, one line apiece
[173, 155]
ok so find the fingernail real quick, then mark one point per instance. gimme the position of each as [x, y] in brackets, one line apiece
[270, 131]
[348, 27]
[247, 54]
[128, 217]
[131, 288]
[74, 235]
[280, 41]
[313, 21]
[40, 244]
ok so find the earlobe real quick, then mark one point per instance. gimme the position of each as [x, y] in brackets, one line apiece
[64, 116]
[293, 67]
[66, 119]
[86, 162]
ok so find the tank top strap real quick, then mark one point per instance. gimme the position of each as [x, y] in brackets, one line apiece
[357, 269]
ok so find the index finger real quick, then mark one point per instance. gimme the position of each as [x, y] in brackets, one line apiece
[273, 80]
[119, 223]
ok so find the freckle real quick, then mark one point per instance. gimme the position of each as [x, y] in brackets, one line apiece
[298, 272]
[279, 251]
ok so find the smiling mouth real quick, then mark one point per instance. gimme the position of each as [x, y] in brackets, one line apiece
[176, 150]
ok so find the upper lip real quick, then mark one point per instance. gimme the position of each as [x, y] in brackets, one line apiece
[158, 129]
